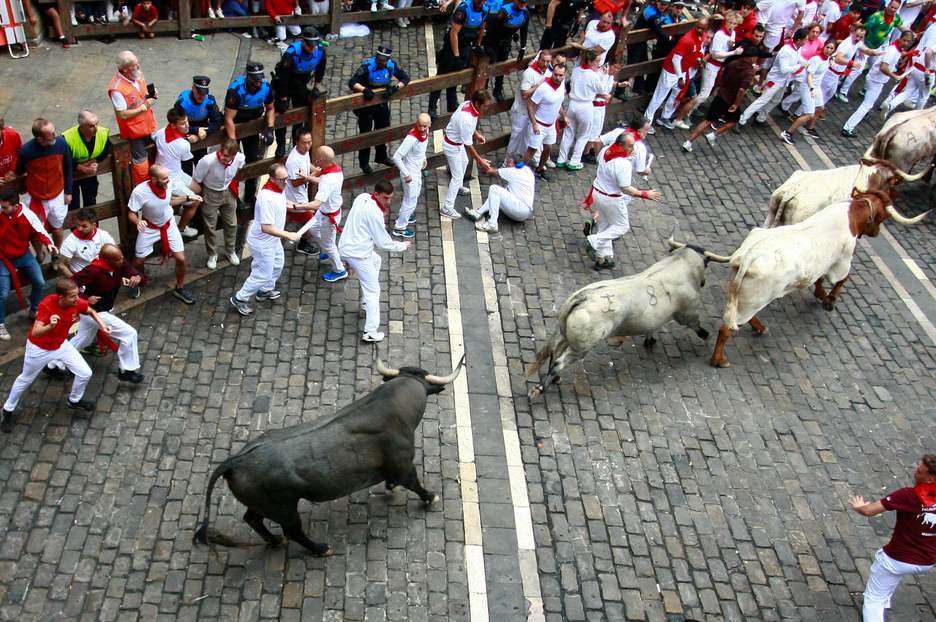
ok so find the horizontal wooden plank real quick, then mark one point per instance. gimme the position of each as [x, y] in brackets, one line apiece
[345, 103]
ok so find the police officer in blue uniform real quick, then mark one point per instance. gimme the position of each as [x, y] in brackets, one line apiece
[204, 116]
[376, 73]
[466, 29]
[510, 23]
[250, 97]
[562, 20]
[302, 62]
[654, 17]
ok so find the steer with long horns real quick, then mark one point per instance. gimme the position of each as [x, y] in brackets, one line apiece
[367, 442]
[774, 262]
[907, 139]
[634, 305]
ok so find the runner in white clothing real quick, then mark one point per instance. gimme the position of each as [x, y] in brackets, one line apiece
[83, 245]
[365, 229]
[878, 76]
[586, 88]
[829, 13]
[327, 208]
[609, 73]
[173, 146]
[788, 62]
[265, 241]
[458, 145]
[808, 91]
[543, 111]
[515, 201]
[532, 77]
[719, 51]
[599, 36]
[917, 86]
[299, 168]
[410, 160]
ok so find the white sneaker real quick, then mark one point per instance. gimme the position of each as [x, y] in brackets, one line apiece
[212, 262]
[401, 22]
[407, 20]
[373, 7]
[386, 6]
[487, 226]
[234, 259]
[4, 334]
[472, 214]
[885, 110]
[681, 125]
[297, 11]
[211, 13]
[373, 337]
[710, 137]
[219, 14]
[172, 15]
[651, 131]
[464, 191]
[550, 164]
[450, 213]
[687, 146]
[189, 232]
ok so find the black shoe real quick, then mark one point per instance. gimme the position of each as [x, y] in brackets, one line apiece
[433, 112]
[366, 168]
[499, 95]
[6, 424]
[54, 373]
[619, 93]
[759, 122]
[279, 154]
[130, 376]
[306, 248]
[604, 265]
[588, 227]
[590, 158]
[84, 405]
[541, 173]
[385, 161]
[848, 133]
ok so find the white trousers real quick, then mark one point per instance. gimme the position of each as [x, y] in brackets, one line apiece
[368, 273]
[709, 74]
[128, 350]
[410, 197]
[886, 573]
[402, 4]
[36, 358]
[457, 158]
[500, 200]
[872, 90]
[519, 124]
[830, 82]
[667, 83]
[915, 90]
[764, 104]
[55, 209]
[598, 120]
[293, 29]
[612, 223]
[850, 79]
[575, 136]
[265, 269]
[319, 8]
[804, 94]
[324, 233]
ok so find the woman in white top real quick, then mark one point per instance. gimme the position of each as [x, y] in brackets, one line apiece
[587, 87]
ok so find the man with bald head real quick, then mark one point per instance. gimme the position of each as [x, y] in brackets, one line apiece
[410, 159]
[151, 213]
[133, 106]
[327, 208]
[89, 147]
[678, 70]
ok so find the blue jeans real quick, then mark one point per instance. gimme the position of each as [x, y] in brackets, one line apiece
[28, 263]
[233, 8]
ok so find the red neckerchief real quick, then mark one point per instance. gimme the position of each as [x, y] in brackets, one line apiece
[535, 67]
[551, 83]
[635, 134]
[38, 208]
[382, 208]
[926, 493]
[159, 193]
[599, 29]
[331, 168]
[614, 151]
[271, 185]
[173, 134]
[724, 29]
[14, 274]
[886, 21]
[81, 236]
[105, 343]
[234, 186]
[416, 134]
[100, 263]
[470, 109]
[218, 153]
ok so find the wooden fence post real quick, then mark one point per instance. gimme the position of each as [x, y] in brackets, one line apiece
[122, 178]
[316, 120]
[620, 46]
[185, 19]
[64, 9]
[334, 17]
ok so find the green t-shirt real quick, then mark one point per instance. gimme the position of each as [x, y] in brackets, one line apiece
[878, 29]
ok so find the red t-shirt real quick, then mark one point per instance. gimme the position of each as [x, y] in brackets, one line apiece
[689, 48]
[9, 150]
[746, 27]
[49, 306]
[142, 15]
[914, 537]
[842, 27]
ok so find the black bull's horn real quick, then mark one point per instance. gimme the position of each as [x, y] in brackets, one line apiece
[717, 258]
[389, 372]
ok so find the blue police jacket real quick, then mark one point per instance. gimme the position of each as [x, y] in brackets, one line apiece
[251, 101]
[197, 113]
[516, 17]
[378, 77]
[305, 63]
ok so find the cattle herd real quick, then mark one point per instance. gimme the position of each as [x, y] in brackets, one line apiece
[809, 236]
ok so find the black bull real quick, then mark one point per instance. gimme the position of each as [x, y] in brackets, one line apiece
[366, 442]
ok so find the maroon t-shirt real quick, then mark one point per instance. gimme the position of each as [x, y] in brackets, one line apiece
[914, 537]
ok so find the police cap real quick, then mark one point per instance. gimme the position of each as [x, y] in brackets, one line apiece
[384, 52]
[254, 70]
[310, 34]
[200, 83]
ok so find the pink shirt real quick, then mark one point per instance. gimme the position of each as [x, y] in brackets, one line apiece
[811, 48]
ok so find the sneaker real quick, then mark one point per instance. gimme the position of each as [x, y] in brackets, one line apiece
[575, 167]
[812, 132]
[373, 337]
[401, 22]
[792, 117]
[189, 232]
[212, 262]
[134, 291]
[848, 133]
[550, 164]
[588, 227]
[450, 213]
[4, 333]
[272, 294]
[386, 6]
[590, 251]
[184, 295]
[590, 158]
[323, 257]
[842, 98]
[541, 173]
[373, 7]
[885, 110]
[561, 165]
[651, 131]
[737, 128]
[93, 349]
[604, 265]
[234, 259]
[411, 220]
[220, 14]
[32, 314]
[487, 226]
[473, 214]
[333, 276]
[84, 405]
[54, 373]
[667, 123]
[759, 121]
[133, 376]
[306, 248]
[758, 89]
[211, 13]
[786, 137]
[464, 191]
[6, 424]
[241, 306]
[687, 146]
[403, 233]
[681, 125]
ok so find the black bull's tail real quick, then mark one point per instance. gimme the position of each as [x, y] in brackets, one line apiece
[202, 535]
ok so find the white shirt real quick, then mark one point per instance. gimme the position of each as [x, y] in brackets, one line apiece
[521, 183]
[784, 12]
[586, 84]
[809, 14]
[366, 228]
[210, 173]
[850, 49]
[787, 63]
[721, 42]
[641, 152]
[150, 207]
[529, 77]
[891, 56]
[832, 15]
[548, 100]
[461, 127]
[329, 192]
[763, 10]
[171, 154]
[83, 252]
[595, 38]
[270, 209]
[614, 175]
[929, 36]
[817, 67]
[909, 14]
[294, 163]
[410, 155]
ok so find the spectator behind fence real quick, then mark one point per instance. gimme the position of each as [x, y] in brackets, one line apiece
[133, 106]
[374, 73]
[10, 143]
[562, 16]
[250, 97]
[50, 8]
[466, 29]
[302, 62]
[145, 15]
[506, 25]
[204, 116]
[89, 147]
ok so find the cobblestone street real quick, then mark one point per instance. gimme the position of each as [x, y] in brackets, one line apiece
[647, 486]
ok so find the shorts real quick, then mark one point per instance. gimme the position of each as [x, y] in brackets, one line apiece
[55, 209]
[148, 238]
[180, 187]
[547, 136]
[692, 91]
[719, 110]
